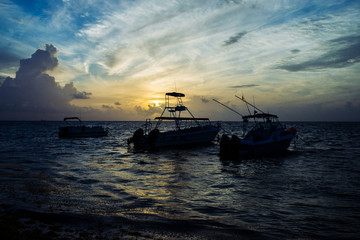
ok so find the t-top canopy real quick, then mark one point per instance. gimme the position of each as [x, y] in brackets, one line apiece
[175, 94]
[182, 118]
[71, 118]
[260, 115]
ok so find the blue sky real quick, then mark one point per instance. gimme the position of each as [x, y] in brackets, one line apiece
[116, 59]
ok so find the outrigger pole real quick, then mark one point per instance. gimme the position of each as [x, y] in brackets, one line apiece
[228, 107]
[243, 99]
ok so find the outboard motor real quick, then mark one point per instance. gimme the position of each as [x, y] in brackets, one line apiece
[137, 138]
[224, 146]
[292, 130]
[235, 144]
[153, 135]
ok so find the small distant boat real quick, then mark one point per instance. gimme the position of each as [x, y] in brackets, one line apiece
[79, 130]
[188, 131]
[267, 136]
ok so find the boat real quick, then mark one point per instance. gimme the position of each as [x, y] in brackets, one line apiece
[267, 136]
[79, 130]
[187, 131]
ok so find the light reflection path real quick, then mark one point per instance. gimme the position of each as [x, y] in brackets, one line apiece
[299, 193]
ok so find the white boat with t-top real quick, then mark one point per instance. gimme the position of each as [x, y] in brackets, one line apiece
[187, 130]
[267, 136]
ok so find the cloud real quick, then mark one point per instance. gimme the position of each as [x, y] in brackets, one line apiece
[234, 39]
[33, 93]
[203, 46]
[342, 52]
[152, 109]
[329, 110]
[117, 103]
[204, 100]
[35, 67]
[82, 95]
[244, 86]
[294, 51]
[107, 106]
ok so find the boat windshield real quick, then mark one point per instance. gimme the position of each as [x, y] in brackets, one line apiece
[262, 125]
[268, 125]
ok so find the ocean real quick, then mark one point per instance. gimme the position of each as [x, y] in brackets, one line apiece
[96, 188]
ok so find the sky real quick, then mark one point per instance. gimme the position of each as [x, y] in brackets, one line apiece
[115, 60]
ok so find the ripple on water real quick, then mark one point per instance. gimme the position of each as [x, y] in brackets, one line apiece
[310, 192]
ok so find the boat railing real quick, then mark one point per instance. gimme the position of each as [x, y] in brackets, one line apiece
[73, 118]
[148, 126]
[175, 109]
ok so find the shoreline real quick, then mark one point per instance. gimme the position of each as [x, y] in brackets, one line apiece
[34, 225]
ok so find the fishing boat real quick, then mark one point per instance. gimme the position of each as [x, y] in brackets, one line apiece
[79, 130]
[268, 136]
[187, 131]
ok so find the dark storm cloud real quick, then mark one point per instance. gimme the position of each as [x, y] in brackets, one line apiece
[82, 95]
[343, 52]
[34, 68]
[323, 110]
[234, 39]
[244, 86]
[33, 91]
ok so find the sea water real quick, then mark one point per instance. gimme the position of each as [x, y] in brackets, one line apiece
[98, 187]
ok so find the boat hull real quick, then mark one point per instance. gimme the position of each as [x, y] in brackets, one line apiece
[201, 136]
[240, 148]
[270, 147]
[185, 137]
[82, 132]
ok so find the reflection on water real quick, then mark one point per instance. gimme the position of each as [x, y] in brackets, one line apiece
[311, 191]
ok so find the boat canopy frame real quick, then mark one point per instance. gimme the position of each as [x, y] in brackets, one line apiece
[73, 118]
[175, 111]
[269, 121]
[260, 115]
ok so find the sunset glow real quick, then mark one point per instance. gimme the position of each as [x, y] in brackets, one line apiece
[297, 59]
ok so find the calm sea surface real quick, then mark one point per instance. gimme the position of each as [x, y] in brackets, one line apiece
[100, 186]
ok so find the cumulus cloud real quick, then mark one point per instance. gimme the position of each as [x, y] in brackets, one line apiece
[342, 52]
[33, 93]
[152, 109]
[107, 106]
[82, 95]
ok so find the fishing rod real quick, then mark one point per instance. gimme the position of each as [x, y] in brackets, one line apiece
[228, 107]
[243, 99]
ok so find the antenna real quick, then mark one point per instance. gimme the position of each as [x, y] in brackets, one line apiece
[247, 106]
[243, 99]
[254, 103]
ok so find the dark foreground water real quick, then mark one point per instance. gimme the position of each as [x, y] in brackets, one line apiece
[53, 188]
